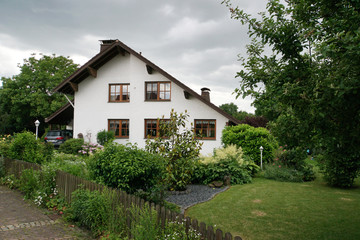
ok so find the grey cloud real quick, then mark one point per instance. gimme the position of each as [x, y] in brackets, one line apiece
[195, 41]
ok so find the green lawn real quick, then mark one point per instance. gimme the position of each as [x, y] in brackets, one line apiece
[267, 209]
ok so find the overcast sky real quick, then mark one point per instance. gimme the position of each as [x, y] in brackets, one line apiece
[193, 40]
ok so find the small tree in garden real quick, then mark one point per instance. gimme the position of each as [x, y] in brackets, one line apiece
[178, 146]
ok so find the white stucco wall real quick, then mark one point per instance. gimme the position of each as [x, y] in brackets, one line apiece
[92, 109]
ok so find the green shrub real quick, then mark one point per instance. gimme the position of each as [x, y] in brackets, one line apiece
[155, 194]
[47, 150]
[72, 146]
[117, 224]
[228, 161]
[294, 159]
[90, 210]
[282, 173]
[2, 167]
[104, 137]
[250, 139]
[69, 163]
[126, 167]
[39, 186]
[10, 181]
[29, 183]
[144, 223]
[5, 142]
[340, 169]
[25, 147]
[146, 227]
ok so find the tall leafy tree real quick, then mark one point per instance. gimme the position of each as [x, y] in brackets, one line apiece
[232, 109]
[309, 83]
[26, 96]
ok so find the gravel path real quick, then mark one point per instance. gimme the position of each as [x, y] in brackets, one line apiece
[195, 194]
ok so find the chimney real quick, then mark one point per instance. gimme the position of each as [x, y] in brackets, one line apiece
[205, 93]
[104, 44]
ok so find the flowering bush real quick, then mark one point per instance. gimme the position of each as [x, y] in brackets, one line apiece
[11, 181]
[39, 186]
[228, 161]
[177, 231]
[90, 148]
[289, 165]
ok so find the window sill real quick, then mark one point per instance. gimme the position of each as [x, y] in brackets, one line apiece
[206, 139]
[165, 100]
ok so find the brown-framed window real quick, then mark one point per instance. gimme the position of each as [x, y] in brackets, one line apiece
[119, 92]
[205, 129]
[157, 91]
[120, 127]
[152, 128]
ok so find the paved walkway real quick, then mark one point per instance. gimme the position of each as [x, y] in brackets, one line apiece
[20, 219]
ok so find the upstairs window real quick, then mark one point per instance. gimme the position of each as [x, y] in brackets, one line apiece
[152, 128]
[205, 129]
[158, 91]
[119, 93]
[120, 127]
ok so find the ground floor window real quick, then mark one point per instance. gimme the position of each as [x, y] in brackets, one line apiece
[152, 128]
[205, 129]
[120, 127]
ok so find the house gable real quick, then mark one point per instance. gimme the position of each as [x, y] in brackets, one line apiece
[120, 87]
[114, 48]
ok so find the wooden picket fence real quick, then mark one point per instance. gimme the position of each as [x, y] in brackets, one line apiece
[68, 183]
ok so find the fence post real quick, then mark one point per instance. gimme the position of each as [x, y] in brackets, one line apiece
[202, 229]
[195, 225]
[228, 236]
[210, 233]
[219, 234]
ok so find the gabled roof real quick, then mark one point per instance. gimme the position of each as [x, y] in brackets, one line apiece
[110, 50]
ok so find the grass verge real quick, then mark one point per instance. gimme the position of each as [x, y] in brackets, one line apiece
[268, 209]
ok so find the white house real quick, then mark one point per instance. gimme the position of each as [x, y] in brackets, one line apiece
[120, 90]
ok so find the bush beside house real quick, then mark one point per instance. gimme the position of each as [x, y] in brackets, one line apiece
[250, 139]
